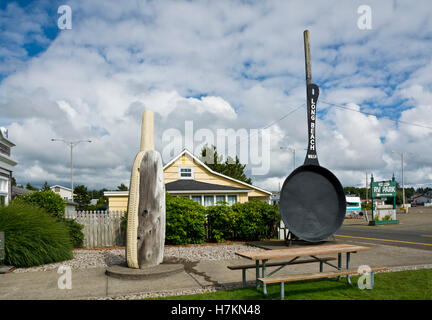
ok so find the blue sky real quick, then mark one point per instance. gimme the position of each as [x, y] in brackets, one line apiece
[223, 64]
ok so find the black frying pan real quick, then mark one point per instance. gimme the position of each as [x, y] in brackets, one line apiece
[312, 200]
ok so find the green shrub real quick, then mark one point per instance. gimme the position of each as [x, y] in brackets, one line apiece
[255, 220]
[123, 223]
[32, 236]
[220, 222]
[386, 218]
[75, 232]
[48, 200]
[366, 206]
[184, 221]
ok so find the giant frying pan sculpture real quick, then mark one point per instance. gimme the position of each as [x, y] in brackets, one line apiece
[312, 200]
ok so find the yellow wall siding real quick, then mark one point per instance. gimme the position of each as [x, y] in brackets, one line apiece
[204, 175]
[243, 197]
[118, 202]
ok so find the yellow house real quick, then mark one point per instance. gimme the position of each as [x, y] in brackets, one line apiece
[188, 176]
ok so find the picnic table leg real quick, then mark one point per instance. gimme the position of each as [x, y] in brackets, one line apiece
[244, 277]
[339, 263]
[257, 273]
[282, 290]
[263, 275]
[348, 260]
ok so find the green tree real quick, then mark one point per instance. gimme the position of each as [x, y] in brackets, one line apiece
[48, 200]
[122, 187]
[102, 201]
[14, 182]
[96, 194]
[46, 186]
[30, 187]
[81, 196]
[230, 167]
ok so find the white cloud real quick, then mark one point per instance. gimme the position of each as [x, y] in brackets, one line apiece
[222, 64]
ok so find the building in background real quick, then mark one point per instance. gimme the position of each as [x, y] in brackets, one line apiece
[187, 176]
[422, 200]
[6, 167]
[65, 193]
[17, 191]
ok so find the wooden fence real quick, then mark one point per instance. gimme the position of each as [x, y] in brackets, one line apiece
[101, 228]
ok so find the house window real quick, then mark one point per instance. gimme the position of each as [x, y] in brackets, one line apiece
[232, 199]
[208, 201]
[185, 173]
[4, 186]
[4, 149]
[196, 199]
[220, 198]
[57, 189]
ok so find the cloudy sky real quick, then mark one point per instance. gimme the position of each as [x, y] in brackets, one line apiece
[221, 65]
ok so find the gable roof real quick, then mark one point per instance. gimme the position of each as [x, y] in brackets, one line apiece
[196, 159]
[65, 188]
[193, 185]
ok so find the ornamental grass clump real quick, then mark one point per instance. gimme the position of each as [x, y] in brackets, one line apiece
[33, 237]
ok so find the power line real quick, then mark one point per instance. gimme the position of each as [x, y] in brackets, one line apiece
[270, 124]
[371, 114]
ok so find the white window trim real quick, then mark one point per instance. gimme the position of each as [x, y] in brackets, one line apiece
[180, 176]
[214, 197]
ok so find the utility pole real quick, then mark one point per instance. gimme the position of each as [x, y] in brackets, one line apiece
[71, 145]
[366, 191]
[294, 155]
[403, 184]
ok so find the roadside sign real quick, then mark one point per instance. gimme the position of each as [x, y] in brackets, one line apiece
[383, 189]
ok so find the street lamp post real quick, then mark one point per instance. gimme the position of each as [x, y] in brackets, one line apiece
[71, 145]
[403, 185]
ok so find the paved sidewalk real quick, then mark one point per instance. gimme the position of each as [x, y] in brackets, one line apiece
[92, 283]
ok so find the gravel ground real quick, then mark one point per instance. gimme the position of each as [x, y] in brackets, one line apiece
[91, 258]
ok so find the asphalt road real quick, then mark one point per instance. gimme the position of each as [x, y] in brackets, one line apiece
[413, 237]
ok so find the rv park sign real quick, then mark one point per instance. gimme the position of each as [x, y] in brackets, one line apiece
[383, 189]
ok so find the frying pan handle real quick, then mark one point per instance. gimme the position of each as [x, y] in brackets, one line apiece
[312, 98]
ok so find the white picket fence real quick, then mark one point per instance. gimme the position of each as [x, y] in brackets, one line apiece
[101, 228]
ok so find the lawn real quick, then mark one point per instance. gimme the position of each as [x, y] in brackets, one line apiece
[402, 285]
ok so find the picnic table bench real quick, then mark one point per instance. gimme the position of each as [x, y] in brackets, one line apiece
[244, 267]
[261, 258]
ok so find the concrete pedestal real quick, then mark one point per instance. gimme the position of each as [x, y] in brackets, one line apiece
[162, 270]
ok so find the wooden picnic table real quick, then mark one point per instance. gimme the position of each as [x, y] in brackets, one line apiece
[294, 253]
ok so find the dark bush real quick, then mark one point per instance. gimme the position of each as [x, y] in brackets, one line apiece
[220, 220]
[48, 200]
[184, 221]
[75, 232]
[123, 223]
[32, 236]
[255, 220]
